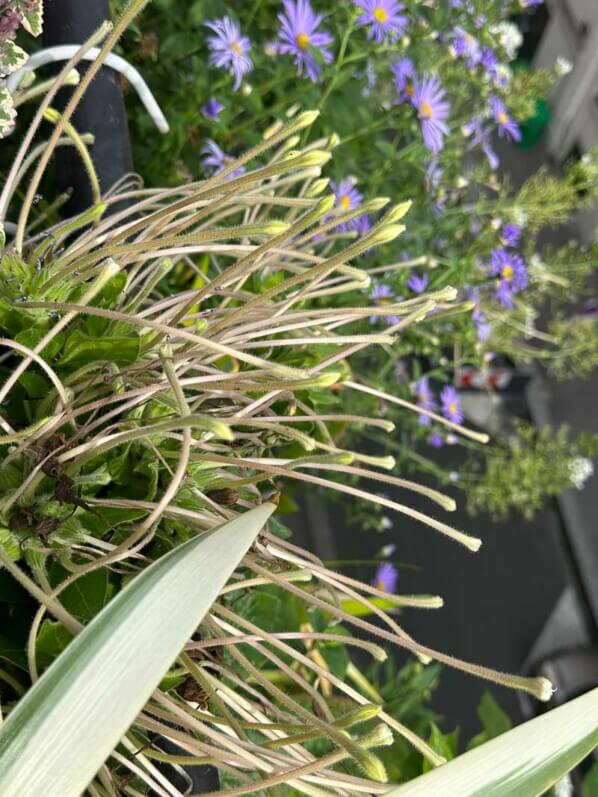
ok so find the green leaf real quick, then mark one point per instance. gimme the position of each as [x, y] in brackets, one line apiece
[68, 723]
[35, 385]
[80, 349]
[494, 721]
[13, 652]
[10, 544]
[523, 762]
[590, 783]
[443, 743]
[52, 639]
[335, 655]
[88, 595]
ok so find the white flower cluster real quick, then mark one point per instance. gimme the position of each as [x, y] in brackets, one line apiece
[580, 470]
[563, 66]
[509, 36]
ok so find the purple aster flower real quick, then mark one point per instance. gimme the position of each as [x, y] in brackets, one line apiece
[384, 18]
[215, 160]
[386, 577]
[212, 108]
[424, 399]
[416, 283]
[511, 271]
[482, 325]
[489, 60]
[433, 109]
[507, 127]
[403, 71]
[400, 372]
[435, 440]
[349, 198]
[466, 46]
[229, 49]
[451, 404]
[480, 137]
[530, 3]
[381, 295]
[510, 235]
[433, 175]
[299, 36]
[371, 79]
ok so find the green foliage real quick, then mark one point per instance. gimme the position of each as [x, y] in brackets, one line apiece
[528, 468]
[494, 721]
[590, 784]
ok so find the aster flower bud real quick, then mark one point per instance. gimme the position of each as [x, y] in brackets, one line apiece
[328, 378]
[317, 187]
[380, 736]
[373, 205]
[397, 212]
[315, 157]
[371, 764]
[361, 714]
[272, 227]
[385, 234]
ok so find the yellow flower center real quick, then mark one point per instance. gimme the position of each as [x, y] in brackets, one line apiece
[381, 585]
[409, 90]
[345, 202]
[380, 14]
[302, 41]
[503, 118]
[425, 110]
[236, 48]
[452, 408]
[507, 273]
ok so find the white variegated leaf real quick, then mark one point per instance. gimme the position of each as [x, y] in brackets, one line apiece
[65, 727]
[524, 762]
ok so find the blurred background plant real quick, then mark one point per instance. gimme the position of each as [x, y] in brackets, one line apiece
[467, 229]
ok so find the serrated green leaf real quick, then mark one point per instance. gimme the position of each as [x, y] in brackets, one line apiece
[67, 724]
